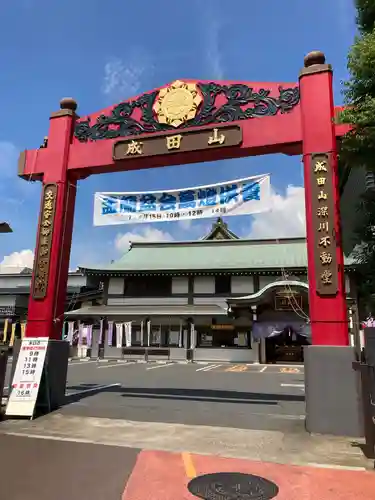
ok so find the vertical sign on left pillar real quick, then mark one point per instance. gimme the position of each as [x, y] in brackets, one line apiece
[42, 258]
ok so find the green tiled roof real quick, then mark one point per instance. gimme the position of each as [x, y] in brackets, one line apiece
[205, 255]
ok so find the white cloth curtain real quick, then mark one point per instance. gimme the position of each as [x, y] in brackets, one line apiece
[80, 333]
[119, 332]
[70, 334]
[262, 330]
[128, 333]
[85, 335]
[89, 335]
[110, 333]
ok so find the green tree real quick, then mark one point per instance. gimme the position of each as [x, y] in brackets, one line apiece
[365, 15]
[358, 146]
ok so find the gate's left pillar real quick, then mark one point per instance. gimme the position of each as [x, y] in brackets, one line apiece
[52, 251]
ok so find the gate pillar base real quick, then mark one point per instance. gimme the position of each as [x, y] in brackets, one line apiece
[56, 368]
[332, 387]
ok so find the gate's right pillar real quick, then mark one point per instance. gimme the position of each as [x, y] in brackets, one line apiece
[332, 395]
[327, 300]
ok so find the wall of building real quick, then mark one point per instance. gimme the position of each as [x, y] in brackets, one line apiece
[203, 290]
[24, 280]
[14, 281]
[180, 285]
[242, 284]
[204, 284]
[216, 301]
[139, 301]
[7, 300]
[266, 280]
[116, 286]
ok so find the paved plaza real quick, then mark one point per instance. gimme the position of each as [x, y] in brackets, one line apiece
[237, 396]
[142, 431]
[214, 394]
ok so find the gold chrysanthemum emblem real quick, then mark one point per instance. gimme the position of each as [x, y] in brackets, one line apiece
[177, 103]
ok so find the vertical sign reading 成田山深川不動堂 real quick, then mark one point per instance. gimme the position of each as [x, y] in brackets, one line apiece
[323, 207]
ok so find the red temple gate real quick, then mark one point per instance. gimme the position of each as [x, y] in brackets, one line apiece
[188, 122]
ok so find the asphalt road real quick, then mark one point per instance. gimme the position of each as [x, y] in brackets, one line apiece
[63, 470]
[239, 396]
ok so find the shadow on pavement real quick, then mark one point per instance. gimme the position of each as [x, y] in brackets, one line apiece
[366, 449]
[204, 395]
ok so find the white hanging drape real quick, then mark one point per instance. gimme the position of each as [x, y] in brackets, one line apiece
[69, 337]
[119, 332]
[128, 333]
[110, 333]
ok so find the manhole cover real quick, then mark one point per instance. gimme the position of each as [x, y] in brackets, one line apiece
[232, 486]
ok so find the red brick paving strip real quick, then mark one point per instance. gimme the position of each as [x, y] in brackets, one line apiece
[161, 476]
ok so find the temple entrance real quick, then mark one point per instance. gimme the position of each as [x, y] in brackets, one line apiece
[286, 346]
[190, 122]
[280, 320]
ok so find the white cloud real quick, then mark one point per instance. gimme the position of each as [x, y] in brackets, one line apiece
[17, 261]
[147, 233]
[123, 77]
[185, 224]
[211, 24]
[213, 53]
[286, 217]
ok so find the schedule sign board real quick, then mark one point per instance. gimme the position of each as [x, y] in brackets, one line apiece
[27, 377]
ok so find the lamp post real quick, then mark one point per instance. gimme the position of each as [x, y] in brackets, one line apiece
[5, 228]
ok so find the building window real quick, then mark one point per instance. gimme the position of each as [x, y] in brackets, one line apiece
[222, 285]
[148, 286]
[236, 338]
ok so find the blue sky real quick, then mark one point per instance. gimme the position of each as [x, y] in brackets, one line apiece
[104, 52]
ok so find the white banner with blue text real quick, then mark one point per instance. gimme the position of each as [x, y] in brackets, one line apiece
[239, 197]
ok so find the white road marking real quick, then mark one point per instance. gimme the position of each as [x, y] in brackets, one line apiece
[116, 365]
[207, 368]
[293, 385]
[81, 363]
[301, 387]
[263, 369]
[92, 389]
[204, 368]
[159, 366]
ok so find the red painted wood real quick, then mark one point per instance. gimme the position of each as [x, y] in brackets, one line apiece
[328, 314]
[45, 316]
[308, 128]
